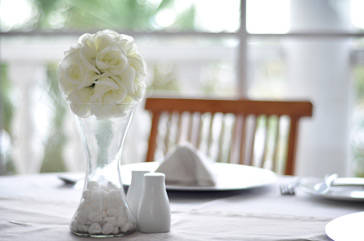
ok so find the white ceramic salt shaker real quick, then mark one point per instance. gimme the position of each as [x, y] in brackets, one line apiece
[135, 191]
[154, 215]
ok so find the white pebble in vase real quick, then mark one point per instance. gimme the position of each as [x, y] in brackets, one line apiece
[154, 215]
[135, 191]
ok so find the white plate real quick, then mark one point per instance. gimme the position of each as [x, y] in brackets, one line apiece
[229, 177]
[349, 193]
[348, 227]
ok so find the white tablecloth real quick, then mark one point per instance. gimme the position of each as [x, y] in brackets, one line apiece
[40, 207]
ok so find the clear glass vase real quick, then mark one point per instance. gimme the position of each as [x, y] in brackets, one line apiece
[103, 210]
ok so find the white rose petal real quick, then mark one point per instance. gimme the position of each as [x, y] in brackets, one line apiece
[120, 110]
[101, 111]
[106, 90]
[86, 39]
[79, 101]
[128, 44]
[139, 91]
[88, 58]
[88, 79]
[118, 94]
[107, 82]
[80, 109]
[112, 59]
[70, 72]
[104, 41]
[80, 95]
[138, 64]
[128, 79]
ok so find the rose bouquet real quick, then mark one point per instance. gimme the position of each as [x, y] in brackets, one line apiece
[102, 69]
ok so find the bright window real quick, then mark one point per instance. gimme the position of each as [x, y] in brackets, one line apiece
[282, 49]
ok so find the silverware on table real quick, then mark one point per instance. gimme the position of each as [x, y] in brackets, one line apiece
[289, 189]
[334, 181]
[70, 179]
[348, 181]
[324, 186]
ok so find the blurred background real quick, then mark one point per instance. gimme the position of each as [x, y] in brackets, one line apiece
[260, 49]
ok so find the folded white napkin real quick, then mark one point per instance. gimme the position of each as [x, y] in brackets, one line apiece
[185, 165]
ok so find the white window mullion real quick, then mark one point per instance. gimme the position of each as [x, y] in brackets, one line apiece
[242, 56]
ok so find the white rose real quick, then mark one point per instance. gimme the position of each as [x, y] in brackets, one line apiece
[79, 101]
[72, 73]
[106, 90]
[112, 59]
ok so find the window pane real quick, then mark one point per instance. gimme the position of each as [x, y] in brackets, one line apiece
[320, 15]
[265, 16]
[267, 75]
[317, 70]
[191, 66]
[138, 15]
[282, 16]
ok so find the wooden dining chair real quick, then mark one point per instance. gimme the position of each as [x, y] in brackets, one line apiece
[249, 132]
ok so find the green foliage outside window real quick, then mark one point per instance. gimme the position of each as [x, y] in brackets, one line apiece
[6, 115]
[53, 159]
[139, 15]
[358, 143]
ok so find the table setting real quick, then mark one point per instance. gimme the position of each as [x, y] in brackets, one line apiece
[42, 206]
[335, 188]
[185, 196]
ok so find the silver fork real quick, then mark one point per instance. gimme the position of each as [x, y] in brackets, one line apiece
[289, 189]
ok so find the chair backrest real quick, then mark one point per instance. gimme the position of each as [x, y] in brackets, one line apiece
[249, 132]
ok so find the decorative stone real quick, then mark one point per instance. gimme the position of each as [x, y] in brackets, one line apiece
[94, 228]
[107, 228]
[102, 212]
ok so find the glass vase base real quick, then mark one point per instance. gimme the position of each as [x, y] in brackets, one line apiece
[101, 235]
